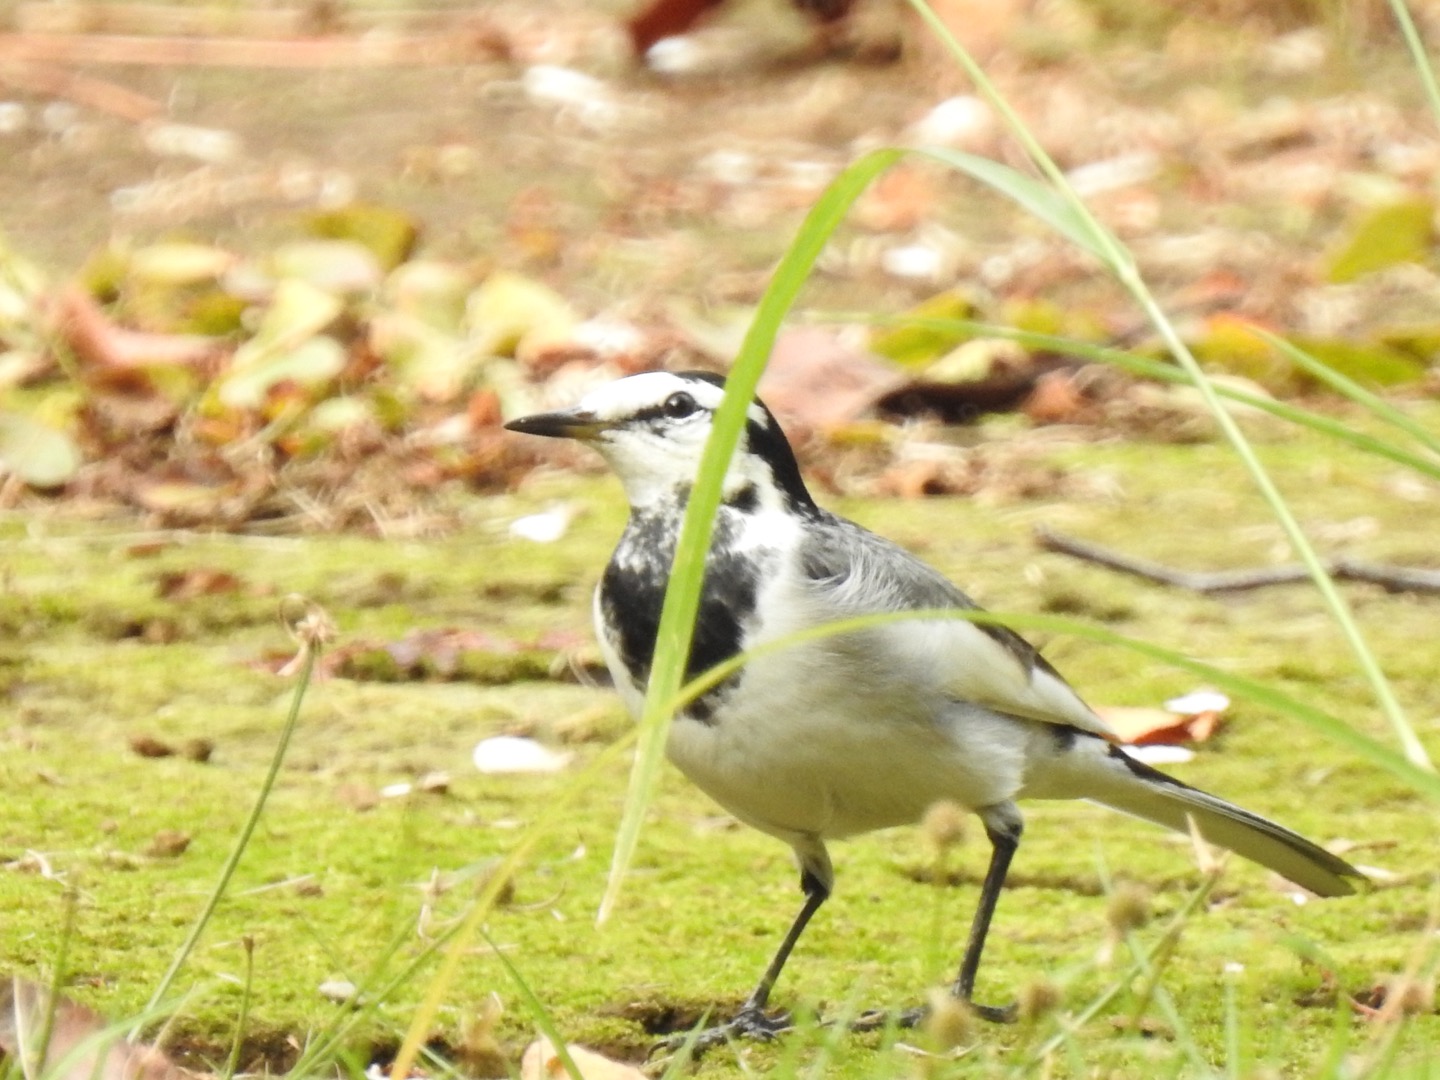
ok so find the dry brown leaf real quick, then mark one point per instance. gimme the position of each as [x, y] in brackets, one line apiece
[168, 844]
[540, 1062]
[816, 383]
[897, 202]
[196, 581]
[148, 746]
[25, 1011]
[89, 331]
[1057, 399]
[1141, 726]
[358, 797]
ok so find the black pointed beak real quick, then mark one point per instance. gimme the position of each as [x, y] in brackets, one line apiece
[565, 424]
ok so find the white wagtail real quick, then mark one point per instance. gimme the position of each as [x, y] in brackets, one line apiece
[867, 729]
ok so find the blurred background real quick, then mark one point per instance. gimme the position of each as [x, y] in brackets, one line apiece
[480, 196]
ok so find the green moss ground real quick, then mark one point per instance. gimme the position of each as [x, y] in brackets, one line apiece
[91, 656]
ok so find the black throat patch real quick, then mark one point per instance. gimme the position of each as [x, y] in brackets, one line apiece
[632, 593]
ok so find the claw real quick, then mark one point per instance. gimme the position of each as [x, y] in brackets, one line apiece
[749, 1023]
[997, 1014]
[875, 1019]
[752, 1023]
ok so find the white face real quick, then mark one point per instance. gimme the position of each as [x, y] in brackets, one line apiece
[652, 430]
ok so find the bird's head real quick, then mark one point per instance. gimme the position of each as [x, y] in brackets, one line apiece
[652, 429]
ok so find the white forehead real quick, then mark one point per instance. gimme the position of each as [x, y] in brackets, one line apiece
[648, 390]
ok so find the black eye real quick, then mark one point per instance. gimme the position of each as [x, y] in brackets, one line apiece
[679, 405]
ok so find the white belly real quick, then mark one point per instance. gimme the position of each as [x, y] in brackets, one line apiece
[837, 751]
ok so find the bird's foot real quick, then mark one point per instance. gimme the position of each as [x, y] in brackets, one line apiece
[876, 1019]
[996, 1014]
[751, 1022]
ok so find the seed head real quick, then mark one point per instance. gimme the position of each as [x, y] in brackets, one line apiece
[943, 826]
[949, 1023]
[1039, 999]
[1129, 908]
[1406, 995]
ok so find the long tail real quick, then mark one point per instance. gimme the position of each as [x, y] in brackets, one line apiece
[1135, 788]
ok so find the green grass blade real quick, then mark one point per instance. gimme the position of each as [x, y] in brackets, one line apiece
[1416, 45]
[1164, 943]
[237, 1044]
[538, 1013]
[1041, 200]
[1096, 238]
[310, 650]
[1122, 265]
[1422, 780]
[1160, 371]
[1304, 550]
[682, 597]
[463, 933]
[1348, 387]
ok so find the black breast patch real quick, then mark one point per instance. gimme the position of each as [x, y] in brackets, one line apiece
[633, 591]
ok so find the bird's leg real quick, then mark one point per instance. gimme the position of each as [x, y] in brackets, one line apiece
[1004, 840]
[815, 894]
[1003, 827]
[751, 1021]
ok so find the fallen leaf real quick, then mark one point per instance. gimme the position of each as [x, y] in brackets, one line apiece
[41, 456]
[541, 1062]
[1368, 363]
[815, 382]
[180, 263]
[168, 844]
[87, 1045]
[1057, 399]
[337, 267]
[510, 314]
[286, 346]
[898, 201]
[1384, 236]
[85, 327]
[147, 746]
[196, 581]
[389, 235]
[513, 754]
[1140, 726]
[926, 337]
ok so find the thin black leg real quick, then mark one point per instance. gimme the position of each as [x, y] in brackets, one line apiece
[1003, 844]
[815, 895]
[751, 1021]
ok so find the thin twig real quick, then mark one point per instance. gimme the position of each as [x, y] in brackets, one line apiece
[415, 50]
[99, 94]
[1395, 579]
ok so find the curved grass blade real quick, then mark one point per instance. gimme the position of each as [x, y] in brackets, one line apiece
[541, 1015]
[1422, 780]
[682, 597]
[463, 933]
[1040, 199]
[1348, 387]
[311, 651]
[1416, 45]
[1162, 372]
[1122, 266]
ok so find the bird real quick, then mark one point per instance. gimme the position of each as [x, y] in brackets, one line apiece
[862, 730]
[660, 19]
